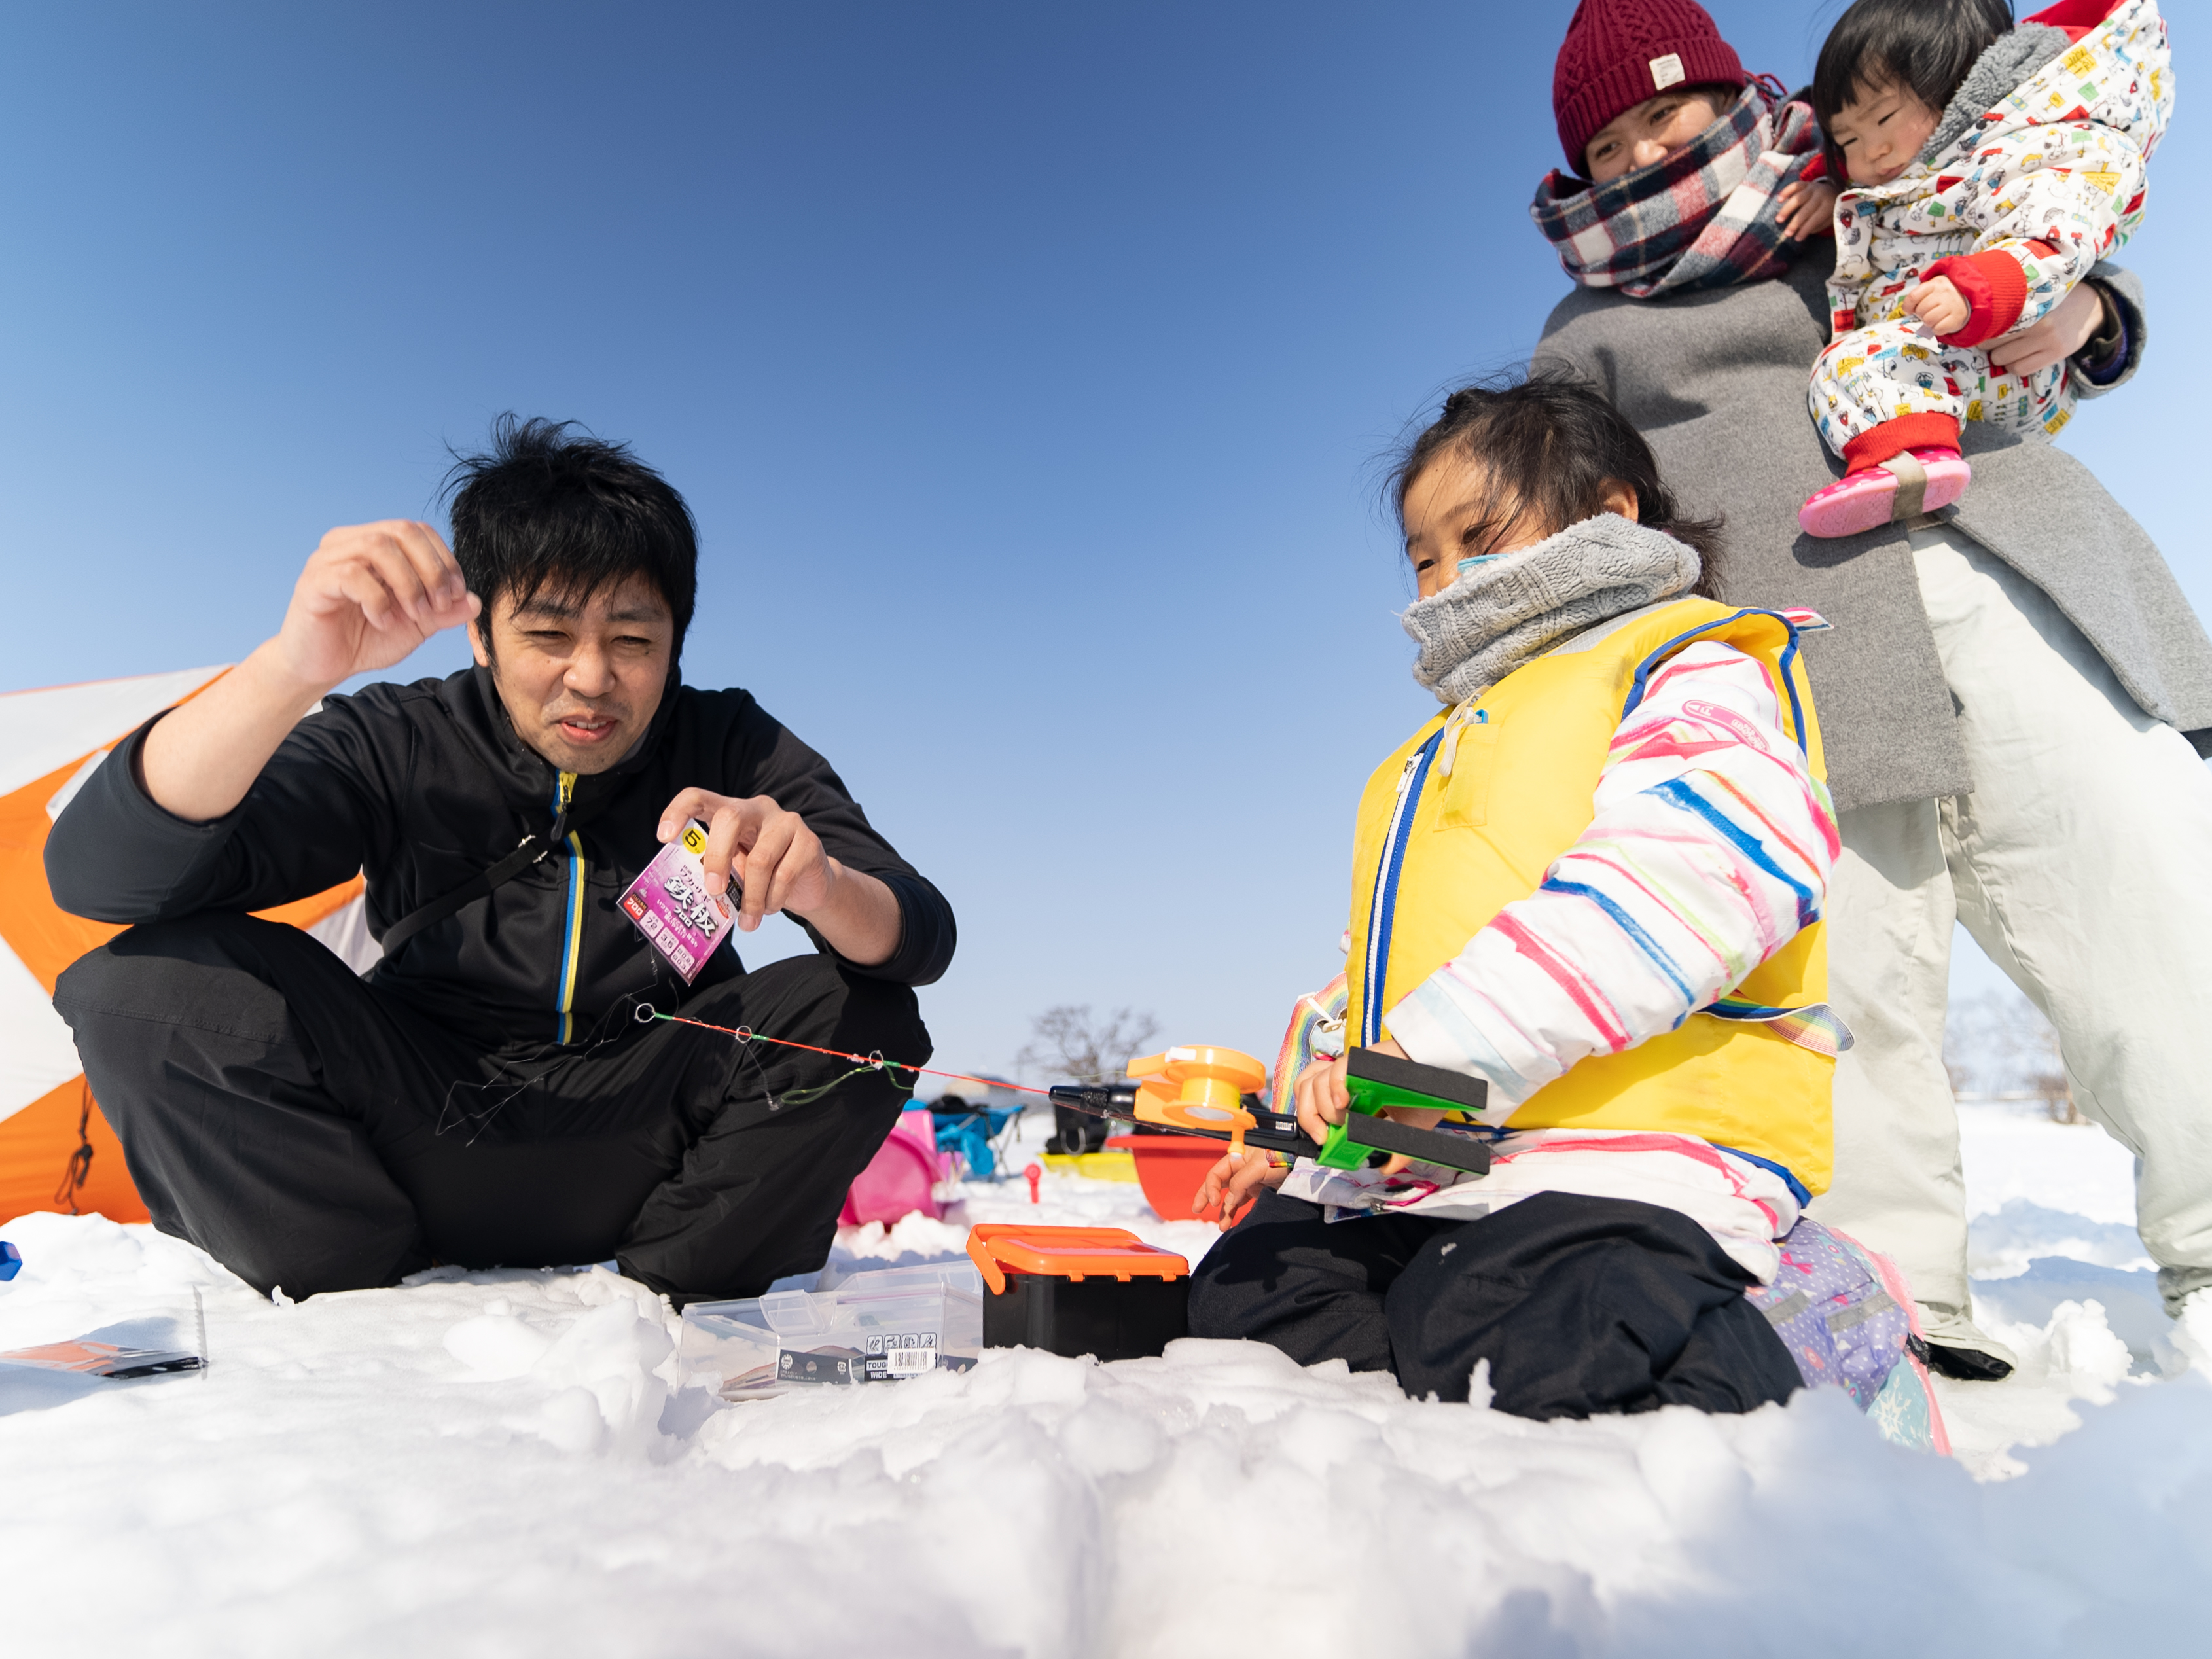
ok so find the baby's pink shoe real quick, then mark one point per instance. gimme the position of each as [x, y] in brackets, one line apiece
[1903, 487]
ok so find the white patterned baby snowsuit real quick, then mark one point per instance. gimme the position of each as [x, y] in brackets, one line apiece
[2050, 181]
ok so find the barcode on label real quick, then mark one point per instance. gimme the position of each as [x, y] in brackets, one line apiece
[903, 1360]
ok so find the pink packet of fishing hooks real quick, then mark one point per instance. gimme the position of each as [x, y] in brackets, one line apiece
[670, 905]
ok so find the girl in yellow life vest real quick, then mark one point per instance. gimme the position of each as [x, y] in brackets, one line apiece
[1594, 880]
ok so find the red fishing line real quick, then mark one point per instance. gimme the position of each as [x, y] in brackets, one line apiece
[746, 1034]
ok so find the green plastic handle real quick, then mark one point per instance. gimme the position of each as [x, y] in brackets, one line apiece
[1337, 1152]
[1375, 1081]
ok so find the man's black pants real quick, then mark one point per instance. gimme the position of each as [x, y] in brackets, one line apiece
[1581, 1305]
[310, 1132]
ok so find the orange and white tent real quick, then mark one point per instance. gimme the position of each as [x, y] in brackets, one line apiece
[56, 1151]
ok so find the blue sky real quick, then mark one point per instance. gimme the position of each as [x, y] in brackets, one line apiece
[1026, 366]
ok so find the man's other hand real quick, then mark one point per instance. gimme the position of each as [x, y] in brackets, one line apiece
[771, 853]
[779, 865]
[369, 595]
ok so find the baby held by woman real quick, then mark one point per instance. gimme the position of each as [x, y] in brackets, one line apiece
[1983, 171]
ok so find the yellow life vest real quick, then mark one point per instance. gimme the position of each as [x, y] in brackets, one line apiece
[1461, 822]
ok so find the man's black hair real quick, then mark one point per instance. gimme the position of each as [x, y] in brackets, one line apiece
[542, 511]
[1926, 47]
[1549, 444]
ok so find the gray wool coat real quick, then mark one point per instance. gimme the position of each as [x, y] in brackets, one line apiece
[1715, 381]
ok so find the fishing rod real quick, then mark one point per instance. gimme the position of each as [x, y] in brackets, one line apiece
[1202, 1091]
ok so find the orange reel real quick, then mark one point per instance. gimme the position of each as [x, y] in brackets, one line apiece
[1199, 1088]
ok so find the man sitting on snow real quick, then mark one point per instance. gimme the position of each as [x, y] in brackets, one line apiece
[487, 1094]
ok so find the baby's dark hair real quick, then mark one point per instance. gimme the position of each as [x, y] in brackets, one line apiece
[1926, 47]
[1549, 445]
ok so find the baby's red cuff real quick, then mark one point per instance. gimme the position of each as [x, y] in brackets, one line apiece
[1994, 288]
[1895, 436]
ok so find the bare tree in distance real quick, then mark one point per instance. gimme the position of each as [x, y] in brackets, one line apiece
[1071, 1044]
[1999, 1044]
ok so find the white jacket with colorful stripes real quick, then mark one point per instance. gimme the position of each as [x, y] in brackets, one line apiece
[1651, 914]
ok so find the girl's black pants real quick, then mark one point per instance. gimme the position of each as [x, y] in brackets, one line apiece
[1581, 1305]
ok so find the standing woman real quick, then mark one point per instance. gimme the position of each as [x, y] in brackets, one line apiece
[2011, 690]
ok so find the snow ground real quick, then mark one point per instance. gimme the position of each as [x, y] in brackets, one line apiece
[492, 1464]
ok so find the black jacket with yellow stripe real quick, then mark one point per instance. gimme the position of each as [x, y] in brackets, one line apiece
[421, 787]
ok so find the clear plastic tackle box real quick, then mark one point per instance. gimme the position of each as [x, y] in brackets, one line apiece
[880, 1327]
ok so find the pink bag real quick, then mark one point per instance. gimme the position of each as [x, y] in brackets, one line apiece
[898, 1179]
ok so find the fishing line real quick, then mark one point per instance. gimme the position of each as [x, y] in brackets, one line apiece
[451, 1115]
[862, 1064]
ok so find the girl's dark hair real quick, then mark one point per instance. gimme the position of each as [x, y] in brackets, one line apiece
[1549, 444]
[1926, 47]
[540, 510]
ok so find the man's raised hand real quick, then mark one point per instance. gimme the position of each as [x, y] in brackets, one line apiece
[369, 595]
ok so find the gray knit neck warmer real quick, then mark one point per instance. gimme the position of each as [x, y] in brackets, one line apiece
[1500, 615]
[2008, 61]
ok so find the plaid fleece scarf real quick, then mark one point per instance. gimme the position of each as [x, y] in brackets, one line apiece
[1706, 216]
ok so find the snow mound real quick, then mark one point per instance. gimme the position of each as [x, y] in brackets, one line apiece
[2005, 1241]
[497, 1463]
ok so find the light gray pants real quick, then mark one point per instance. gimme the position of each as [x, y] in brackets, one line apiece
[2082, 865]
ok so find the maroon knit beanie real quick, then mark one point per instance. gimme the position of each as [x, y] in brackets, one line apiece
[1619, 52]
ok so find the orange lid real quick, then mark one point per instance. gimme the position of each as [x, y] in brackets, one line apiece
[1070, 1252]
